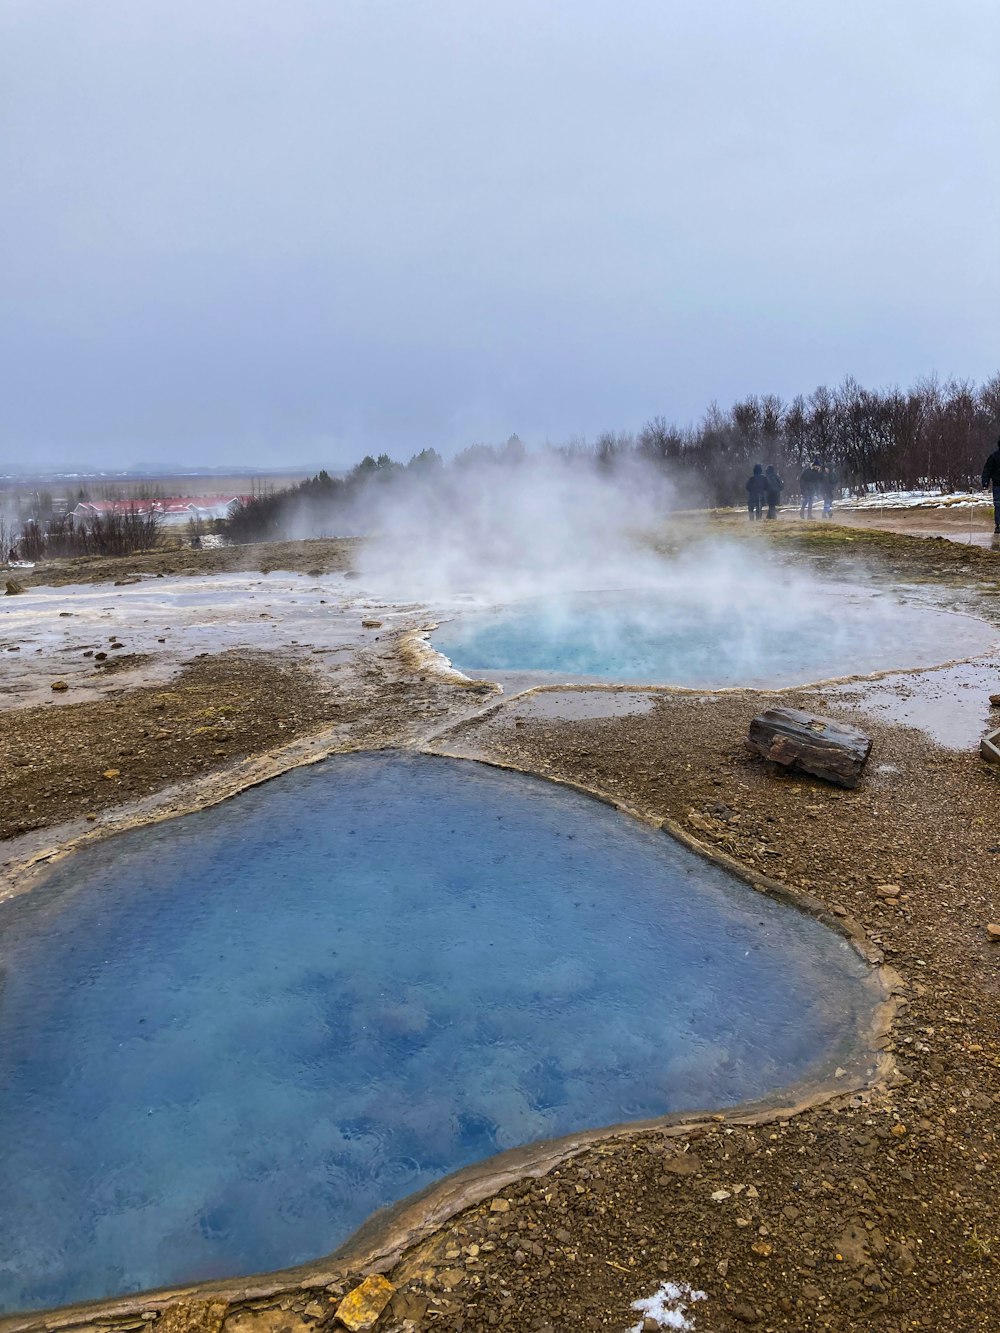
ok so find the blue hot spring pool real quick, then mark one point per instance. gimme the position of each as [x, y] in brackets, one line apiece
[225, 1040]
[756, 636]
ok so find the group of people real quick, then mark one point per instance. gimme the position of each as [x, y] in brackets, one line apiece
[766, 485]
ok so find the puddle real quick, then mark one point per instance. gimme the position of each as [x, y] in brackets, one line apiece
[950, 705]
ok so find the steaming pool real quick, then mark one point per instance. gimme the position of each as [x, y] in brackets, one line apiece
[225, 1040]
[762, 636]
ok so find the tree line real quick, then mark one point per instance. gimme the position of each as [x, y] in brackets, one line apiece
[933, 436]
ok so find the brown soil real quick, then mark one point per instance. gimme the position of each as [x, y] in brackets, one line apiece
[321, 555]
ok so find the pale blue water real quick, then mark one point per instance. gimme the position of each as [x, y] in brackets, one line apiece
[227, 1039]
[754, 635]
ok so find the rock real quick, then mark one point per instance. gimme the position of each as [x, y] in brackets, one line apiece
[315, 1310]
[371, 624]
[683, 1164]
[995, 700]
[888, 890]
[360, 1309]
[500, 1206]
[993, 930]
[829, 750]
[59, 685]
[720, 1196]
[99, 657]
[13, 588]
[898, 1131]
[250, 1320]
[763, 1249]
[745, 1313]
[110, 773]
[192, 1317]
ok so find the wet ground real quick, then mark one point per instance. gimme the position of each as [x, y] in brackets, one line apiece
[876, 1211]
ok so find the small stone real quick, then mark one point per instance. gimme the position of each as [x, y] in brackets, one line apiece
[111, 773]
[684, 1164]
[722, 1267]
[59, 685]
[13, 588]
[720, 1196]
[888, 890]
[371, 624]
[993, 930]
[500, 1206]
[315, 1310]
[99, 657]
[898, 1131]
[192, 1317]
[745, 1313]
[360, 1309]
[995, 700]
[762, 1248]
[91, 819]
[838, 910]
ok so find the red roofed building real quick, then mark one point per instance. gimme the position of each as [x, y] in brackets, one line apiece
[172, 511]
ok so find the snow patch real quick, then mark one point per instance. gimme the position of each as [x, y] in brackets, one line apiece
[668, 1306]
[933, 499]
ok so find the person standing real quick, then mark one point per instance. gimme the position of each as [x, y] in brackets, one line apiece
[991, 477]
[808, 481]
[774, 488]
[756, 490]
[828, 486]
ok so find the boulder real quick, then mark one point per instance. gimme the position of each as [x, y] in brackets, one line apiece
[821, 746]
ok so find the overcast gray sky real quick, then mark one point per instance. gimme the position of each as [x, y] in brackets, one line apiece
[268, 231]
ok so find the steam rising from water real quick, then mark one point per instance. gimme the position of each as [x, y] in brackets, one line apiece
[499, 532]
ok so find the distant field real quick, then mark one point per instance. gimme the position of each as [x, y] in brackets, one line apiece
[105, 488]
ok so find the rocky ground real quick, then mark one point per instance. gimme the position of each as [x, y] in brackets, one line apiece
[316, 557]
[877, 1213]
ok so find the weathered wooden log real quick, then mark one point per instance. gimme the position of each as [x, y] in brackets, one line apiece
[830, 750]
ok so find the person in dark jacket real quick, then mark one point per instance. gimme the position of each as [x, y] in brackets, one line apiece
[991, 477]
[756, 490]
[809, 480]
[774, 488]
[828, 487]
